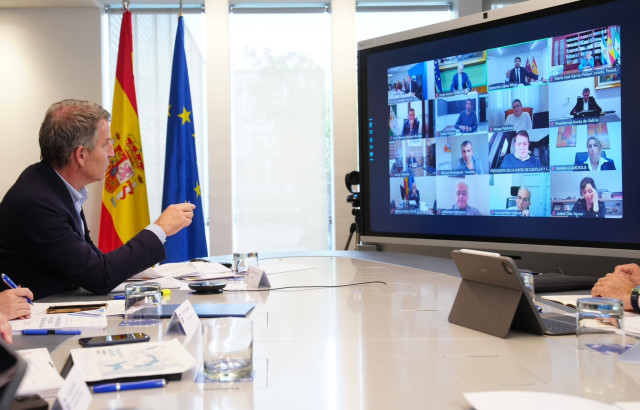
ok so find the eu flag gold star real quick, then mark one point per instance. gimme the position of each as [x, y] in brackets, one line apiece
[185, 115]
[197, 189]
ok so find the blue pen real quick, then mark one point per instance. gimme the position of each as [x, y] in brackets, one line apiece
[118, 297]
[50, 332]
[7, 280]
[144, 384]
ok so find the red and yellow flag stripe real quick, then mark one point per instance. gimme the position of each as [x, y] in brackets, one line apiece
[125, 207]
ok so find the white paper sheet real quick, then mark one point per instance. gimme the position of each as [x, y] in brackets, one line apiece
[41, 377]
[132, 360]
[199, 270]
[165, 283]
[91, 319]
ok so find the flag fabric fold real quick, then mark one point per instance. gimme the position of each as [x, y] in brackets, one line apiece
[125, 207]
[181, 182]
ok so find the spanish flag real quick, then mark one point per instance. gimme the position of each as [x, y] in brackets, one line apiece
[125, 209]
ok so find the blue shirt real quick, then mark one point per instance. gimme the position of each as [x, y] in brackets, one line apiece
[462, 166]
[468, 120]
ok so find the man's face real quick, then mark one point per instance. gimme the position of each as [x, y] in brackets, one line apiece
[523, 200]
[460, 69]
[462, 195]
[517, 108]
[467, 152]
[468, 106]
[585, 95]
[517, 63]
[97, 160]
[522, 146]
[412, 115]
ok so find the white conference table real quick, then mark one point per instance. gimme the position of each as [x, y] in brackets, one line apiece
[370, 346]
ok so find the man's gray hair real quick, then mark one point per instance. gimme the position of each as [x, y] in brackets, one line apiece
[67, 125]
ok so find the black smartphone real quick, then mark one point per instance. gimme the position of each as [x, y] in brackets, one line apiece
[109, 340]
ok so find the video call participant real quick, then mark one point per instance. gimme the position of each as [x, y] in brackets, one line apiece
[414, 194]
[467, 120]
[586, 105]
[587, 62]
[411, 125]
[523, 202]
[467, 161]
[618, 284]
[521, 158]
[462, 198]
[519, 75]
[588, 206]
[596, 162]
[412, 161]
[521, 120]
[44, 237]
[460, 81]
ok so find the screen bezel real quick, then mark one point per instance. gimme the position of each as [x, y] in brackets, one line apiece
[469, 25]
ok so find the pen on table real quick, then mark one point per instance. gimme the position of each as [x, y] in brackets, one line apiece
[50, 332]
[144, 384]
[7, 281]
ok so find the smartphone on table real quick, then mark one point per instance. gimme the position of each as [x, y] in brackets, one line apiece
[110, 340]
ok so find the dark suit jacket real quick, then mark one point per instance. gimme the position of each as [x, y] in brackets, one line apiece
[593, 106]
[524, 75]
[466, 83]
[408, 130]
[41, 246]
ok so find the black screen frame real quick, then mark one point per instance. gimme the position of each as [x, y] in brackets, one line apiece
[572, 233]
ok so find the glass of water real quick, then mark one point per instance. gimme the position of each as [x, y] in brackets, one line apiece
[601, 325]
[228, 349]
[527, 280]
[143, 304]
[242, 261]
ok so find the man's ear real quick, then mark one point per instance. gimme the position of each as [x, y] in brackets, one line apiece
[80, 155]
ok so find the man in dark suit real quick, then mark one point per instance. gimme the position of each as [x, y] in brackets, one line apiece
[519, 75]
[44, 239]
[461, 80]
[586, 106]
[411, 126]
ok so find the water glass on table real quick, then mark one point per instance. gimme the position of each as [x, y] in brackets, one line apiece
[228, 349]
[601, 325]
[143, 304]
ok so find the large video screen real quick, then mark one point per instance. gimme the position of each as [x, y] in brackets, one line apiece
[506, 130]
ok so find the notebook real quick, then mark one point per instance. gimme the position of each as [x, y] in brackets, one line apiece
[492, 299]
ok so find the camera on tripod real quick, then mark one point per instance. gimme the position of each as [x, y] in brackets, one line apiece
[351, 179]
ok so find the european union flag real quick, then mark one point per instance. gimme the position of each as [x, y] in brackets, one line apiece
[180, 167]
[436, 69]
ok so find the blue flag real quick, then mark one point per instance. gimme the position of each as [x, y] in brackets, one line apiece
[180, 167]
[436, 75]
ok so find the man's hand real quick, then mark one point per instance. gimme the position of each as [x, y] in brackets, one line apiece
[615, 285]
[14, 305]
[176, 217]
[469, 164]
[631, 269]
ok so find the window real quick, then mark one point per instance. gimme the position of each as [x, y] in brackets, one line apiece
[281, 134]
[379, 23]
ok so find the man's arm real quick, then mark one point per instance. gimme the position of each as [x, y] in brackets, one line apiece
[459, 121]
[467, 81]
[474, 121]
[576, 109]
[593, 105]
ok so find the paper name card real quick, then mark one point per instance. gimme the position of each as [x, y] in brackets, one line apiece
[256, 277]
[74, 393]
[184, 319]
